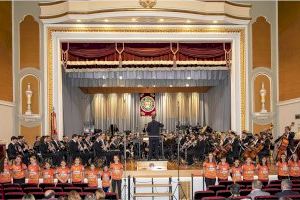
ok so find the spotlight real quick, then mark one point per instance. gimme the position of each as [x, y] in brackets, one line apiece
[78, 20]
[161, 20]
[187, 85]
[133, 19]
[188, 78]
[106, 20]
[188, 21]
[120, 77]
[215, 21]
[171, 85]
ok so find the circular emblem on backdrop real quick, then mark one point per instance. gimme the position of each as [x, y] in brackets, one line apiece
[147, 104]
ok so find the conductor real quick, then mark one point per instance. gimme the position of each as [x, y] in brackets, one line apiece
[153, 129]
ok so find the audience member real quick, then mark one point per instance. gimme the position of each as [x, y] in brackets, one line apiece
[235, 190]
[50, 194]
[286, 187]
[73, 195]
[28, 197]
[100, 194]
[256, 190]
[90, 197]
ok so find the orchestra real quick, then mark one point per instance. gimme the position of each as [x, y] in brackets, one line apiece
[219, 154]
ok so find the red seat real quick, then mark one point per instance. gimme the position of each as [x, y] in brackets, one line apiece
[12, 189]
[55, 189]
[201, 194]
[64, 185]
[295, 185]
[296, 197]
[275, 182]
[273, 186]
[296, 189]
[214, 198]
[38, 195]
[82, 185]
[241, 187]
[272, 191]
[26, 185]
[14, 185]
[226, 183]
[69, 189]
[245, 192]
[83, 194]
[296, 181]
[60, 194]
[90, 189]
[266, 197]
[14, 195]
[223, 193]
[43, 185]
[32, 189]
[110, 195]
[216, 188]
[240, 197]
[244, 183]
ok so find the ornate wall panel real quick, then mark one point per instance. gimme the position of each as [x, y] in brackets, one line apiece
[257, 128]
[6, 77]
[257, 85]
[261, 43]
[289, 49]
[30, 133]
[29, 43]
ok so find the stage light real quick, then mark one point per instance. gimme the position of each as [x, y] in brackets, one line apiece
[133, 19]
[78, 20]
[103, 77]
[120, 77]
[187, 85]
[171, 85]
[188, 78]
[106, 20]
[188, 21]
[215, 21]
[161, 20]
[154, 85]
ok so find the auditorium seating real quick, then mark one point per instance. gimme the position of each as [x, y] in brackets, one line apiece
[16, 191]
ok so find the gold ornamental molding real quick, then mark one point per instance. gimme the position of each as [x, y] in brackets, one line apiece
[239, 30]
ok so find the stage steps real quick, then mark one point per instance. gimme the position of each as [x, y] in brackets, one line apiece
[154, 193]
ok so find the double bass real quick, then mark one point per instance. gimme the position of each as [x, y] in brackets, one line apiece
[283, 143]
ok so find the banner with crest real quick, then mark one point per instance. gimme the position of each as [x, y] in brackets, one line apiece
[147, 104]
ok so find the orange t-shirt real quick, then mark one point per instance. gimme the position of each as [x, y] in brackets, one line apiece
[77, 173]
[63, 173]
[263, 172]
[18, 171]
[33, 173]
[283, 169]
[236, 173]
[294, 168]
[248, 172]
[105, 177]
[5, 176]
[92, 177]
[223, 171]
[210, 170]
[116, 171]
[48, 175]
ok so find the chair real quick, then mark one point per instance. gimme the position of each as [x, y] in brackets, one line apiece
[69, 189]
[226, 183]
[241, 187]
[55, 189]
[272, 191]
[60, 194]
[275, 182]
[43, 185]
[14, 185]
[14, 195]
[38, 195]
[82, 185]
[266, 197]
[296, 181]
[64, 185]
[245, 183]
[216, 188]
[245, 192]
[296, 197]
[83, 194]
[32, 189]
[223, 193]
[26, 185]
[201, 194]
[295, 185]
[214, 198]
[110, 196]
[240, 197]
[90, 189]
[273, 186]
[296, 189]
[12, 189]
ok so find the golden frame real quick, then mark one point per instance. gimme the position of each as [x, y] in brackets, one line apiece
[184, 29]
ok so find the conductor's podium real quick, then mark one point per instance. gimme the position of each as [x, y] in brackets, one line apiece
[152, 165]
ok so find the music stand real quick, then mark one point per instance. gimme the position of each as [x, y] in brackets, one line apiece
[125, 186]
[179, 186]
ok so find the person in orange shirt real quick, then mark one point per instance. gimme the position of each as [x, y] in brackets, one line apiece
[236, 171]
[92, 176]
[210, 170]
[18, 171]
[105, 177]
[48, 173]
[33, 172]
[263, 170]
[77, 171]
[294, 165]
[248, 170]
[223, 170]
[116, 169]
[5, 176]
[283, 168]
[63, 172]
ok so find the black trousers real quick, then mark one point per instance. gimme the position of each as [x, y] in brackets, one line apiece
[153, 148]
[19, 181]
[209, 182]
[116, 187]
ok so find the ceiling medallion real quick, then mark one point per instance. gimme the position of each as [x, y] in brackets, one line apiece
[148, 3]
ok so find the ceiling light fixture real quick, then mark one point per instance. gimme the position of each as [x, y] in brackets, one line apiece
[133, 19]
[188, 78]
[161, 20]
[171, 85]
[120, 77]
[106, 20]
[78, 20]
[188, 21]
[215, 21]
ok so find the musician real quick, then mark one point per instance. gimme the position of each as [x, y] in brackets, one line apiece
[100, 147]
[73, 148]
[84, 155]
[59, 150]
[23, 148]
[294, 166]
[266, 143]
[290, 136]
[190, 150]
[200, 147]
[36, 145]
[234, 153]
[153, 129]
[12, 150]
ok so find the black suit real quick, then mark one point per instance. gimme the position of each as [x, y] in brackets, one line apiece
[74, 150]
[153, 130]
[285, 193]
[99, 152]
[12, 151]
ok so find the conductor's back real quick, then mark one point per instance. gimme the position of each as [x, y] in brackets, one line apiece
[153, 127]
